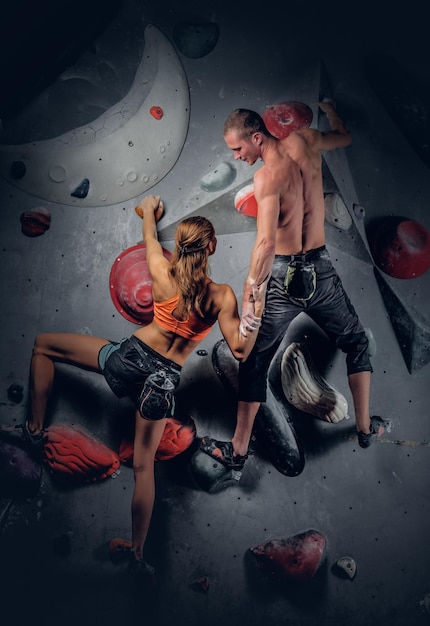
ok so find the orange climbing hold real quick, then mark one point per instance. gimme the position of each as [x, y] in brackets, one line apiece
[119, 549]
[159, 211]
[156, 112]
[177, 437]
[72, 453]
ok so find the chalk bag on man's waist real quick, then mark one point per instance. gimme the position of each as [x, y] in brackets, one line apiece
[300, 280]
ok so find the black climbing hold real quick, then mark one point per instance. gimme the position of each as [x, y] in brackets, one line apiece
[202, 352]
[20, 474]
[82, 190]
[15, 393]
[196, 40]
[17, 170]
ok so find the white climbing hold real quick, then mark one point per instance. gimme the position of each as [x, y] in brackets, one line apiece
[306, 390]
[371, 350]
[336, 212]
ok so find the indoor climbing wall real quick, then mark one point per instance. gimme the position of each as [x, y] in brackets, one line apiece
[107, 103]
[122, 153]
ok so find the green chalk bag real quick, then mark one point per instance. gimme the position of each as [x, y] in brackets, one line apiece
[300, 280]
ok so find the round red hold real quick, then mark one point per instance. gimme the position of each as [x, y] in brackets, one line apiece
[400, 247]
[156, 112]
[131, 285]
[283, 118]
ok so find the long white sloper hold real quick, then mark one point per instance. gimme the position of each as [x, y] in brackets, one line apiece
[125, 151]
[307, 390]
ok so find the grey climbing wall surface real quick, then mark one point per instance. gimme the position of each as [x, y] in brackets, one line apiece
[74, 162]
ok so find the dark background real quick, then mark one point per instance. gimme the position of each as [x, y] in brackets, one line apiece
[64, 64]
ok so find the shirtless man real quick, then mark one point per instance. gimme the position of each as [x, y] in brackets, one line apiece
[290, 251]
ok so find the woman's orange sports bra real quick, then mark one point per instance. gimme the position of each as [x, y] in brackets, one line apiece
[193, 328]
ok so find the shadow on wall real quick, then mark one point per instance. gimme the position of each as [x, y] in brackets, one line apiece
[39, 40]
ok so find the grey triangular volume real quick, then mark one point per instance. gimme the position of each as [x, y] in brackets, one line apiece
[411, 328]
[325, 90]
[350, 241]
[221, 212]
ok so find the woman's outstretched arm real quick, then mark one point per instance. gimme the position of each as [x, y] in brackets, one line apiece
[239, 335]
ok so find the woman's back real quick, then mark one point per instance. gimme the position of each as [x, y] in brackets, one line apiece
[174, 337]
[182, 283]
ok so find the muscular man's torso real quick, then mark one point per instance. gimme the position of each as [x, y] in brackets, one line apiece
[297, 175]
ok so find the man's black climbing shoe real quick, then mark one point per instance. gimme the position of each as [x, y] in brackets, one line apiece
[21, 436]
[376, 423]
[222, 451]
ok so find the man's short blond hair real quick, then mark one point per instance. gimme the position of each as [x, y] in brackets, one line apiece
[245, 122]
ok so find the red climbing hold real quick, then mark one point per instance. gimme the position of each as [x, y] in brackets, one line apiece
[201, 584]
[177, 437]
[35, 222]
[283, 118]
[74, 454]
[156, 112]
[297, 557]
[245, 202]
[400, 247]
[131, 285]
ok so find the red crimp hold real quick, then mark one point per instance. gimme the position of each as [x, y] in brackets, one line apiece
[201, 584]
[156, 112]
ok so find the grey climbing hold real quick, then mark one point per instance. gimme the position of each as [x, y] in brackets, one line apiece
[347, 565]
[221, 177]
[359, 211]
[211, 475]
